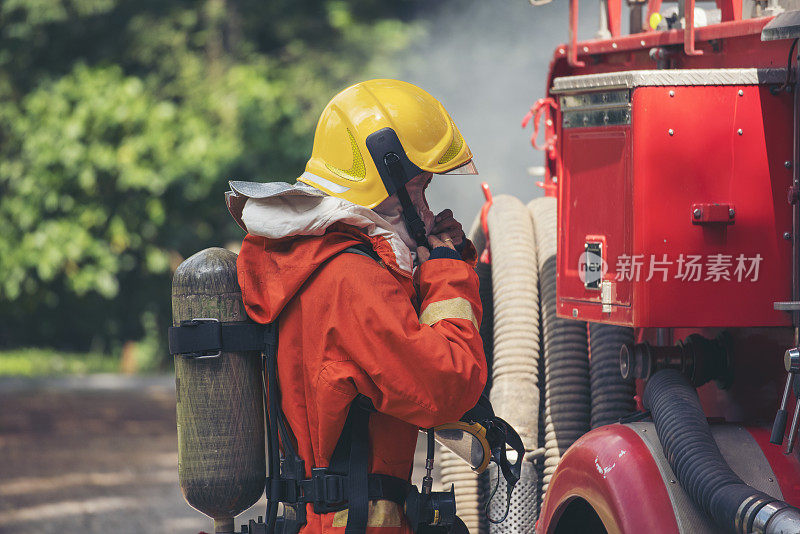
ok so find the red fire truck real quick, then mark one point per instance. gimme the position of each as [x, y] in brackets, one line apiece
[666, 275]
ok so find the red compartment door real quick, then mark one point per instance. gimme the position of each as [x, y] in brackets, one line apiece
[595, 202]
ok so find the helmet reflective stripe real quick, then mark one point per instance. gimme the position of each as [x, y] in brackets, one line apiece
[313, 179]
[358, 171]
[455, 147]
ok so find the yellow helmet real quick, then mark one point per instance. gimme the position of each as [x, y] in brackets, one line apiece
[376, 135]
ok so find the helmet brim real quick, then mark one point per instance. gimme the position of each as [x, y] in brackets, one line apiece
[467, 168]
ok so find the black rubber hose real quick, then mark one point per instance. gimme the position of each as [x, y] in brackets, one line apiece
[694, 456]
[566, 362]
[612, 395]
[484, 271]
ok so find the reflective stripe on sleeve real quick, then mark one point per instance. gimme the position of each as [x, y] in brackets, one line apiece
[455, 308]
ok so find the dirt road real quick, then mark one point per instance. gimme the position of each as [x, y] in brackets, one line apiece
[92, 455]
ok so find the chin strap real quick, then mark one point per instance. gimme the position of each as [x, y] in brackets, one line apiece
[412, 219]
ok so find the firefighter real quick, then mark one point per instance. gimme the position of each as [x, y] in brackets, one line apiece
[376, 298]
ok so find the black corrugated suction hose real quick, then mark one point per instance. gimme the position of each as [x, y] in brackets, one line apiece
[567, 395]
[484, 271]
[612, 395]
[567, 406]
[700, 467]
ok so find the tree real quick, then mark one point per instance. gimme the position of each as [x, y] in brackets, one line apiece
[121, 122]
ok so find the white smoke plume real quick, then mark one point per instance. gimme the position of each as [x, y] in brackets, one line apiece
[486, 61]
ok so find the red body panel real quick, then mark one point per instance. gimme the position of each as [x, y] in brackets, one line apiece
[637, 184]
[596, 196]
[726, 45]
[786, 467]
[612, 469]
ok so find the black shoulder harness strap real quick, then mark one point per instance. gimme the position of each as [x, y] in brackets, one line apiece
[364, 250]
[346, 483]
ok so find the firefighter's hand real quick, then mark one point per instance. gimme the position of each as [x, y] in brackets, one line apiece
[423, 254]
[441, 240]
[446, 232]
[446, 227]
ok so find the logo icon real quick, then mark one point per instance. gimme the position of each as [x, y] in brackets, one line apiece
[591, 266]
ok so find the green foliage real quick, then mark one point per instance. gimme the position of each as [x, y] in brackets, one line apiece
[43, 362]
[121, 122]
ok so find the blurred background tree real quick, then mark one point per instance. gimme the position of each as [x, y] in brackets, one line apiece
[121, 122]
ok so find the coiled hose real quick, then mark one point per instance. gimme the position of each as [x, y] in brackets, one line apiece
[515, 355]
[567, 409]
[515, 388]
[510, 332]
[700, 467]
[612, 396]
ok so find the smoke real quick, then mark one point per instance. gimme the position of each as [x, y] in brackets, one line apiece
[486, 61]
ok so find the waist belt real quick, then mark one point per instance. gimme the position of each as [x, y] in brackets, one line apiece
[329, 492]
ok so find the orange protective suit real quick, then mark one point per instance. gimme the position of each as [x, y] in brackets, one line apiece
[350, 325]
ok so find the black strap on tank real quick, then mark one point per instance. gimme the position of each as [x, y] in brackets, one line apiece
[271, 402]
[203, 338]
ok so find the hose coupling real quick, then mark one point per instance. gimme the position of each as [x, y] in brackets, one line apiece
[777, 518]
[698, 358]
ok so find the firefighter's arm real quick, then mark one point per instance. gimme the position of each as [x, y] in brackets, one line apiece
[424, 369]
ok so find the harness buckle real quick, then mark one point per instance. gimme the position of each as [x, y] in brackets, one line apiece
[211, 334]
[327, 491]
